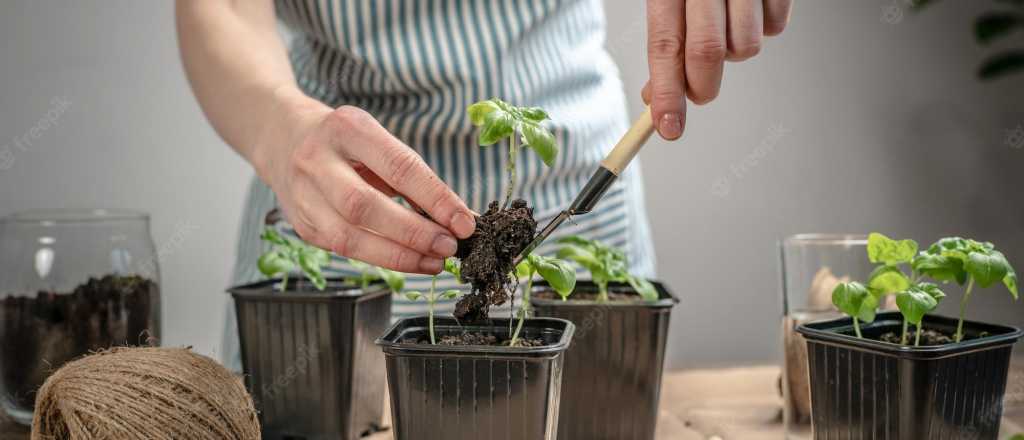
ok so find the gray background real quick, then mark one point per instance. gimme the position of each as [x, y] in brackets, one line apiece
[883, 128]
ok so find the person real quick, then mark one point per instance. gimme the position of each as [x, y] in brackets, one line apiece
[369, 100]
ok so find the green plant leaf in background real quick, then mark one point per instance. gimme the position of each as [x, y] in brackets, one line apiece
[644, 287]
[940, 267]
[868, 309]
[498, 125]
[478, 112]
[849, 297]
[273, 263]
[992, 25]
[540, 140]
[882, 249]
[450, 294]
[885, 280]
[452, 266]
[559, 274]
[394, 280]
[1005, 63]
[310, 261]
[986, 267]
[918, 300]
[1010, 281]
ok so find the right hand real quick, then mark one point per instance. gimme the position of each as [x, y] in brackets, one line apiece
[335, 179]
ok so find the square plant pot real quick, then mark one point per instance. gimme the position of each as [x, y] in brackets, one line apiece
[613, 370]
[866, 389]
[444, 392]
[309, 359]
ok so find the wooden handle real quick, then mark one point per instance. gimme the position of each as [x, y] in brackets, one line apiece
[630, 144]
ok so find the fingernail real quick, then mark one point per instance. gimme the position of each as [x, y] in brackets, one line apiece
[462, 224]
[444, 245]
[431, 264]
[671, 126]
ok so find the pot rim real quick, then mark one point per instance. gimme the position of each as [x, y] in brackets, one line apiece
[389, 340]
[828, 332]
[665, 296]
[264, 290]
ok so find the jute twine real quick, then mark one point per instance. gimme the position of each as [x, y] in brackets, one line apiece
[144, 393]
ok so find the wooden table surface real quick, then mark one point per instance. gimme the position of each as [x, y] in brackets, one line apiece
[719, 404]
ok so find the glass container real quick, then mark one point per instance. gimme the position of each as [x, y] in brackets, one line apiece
[71, 282]
[811, 266]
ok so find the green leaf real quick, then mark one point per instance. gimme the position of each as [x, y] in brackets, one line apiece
[478, 112]
[524, 269]
[497, 125]
[850, 297]
[645, 288]
[540, 140]
[1010, 280]
[986, 267]
[887, 280]
[882, 249]
[918, 300]
[270, 235]
[273, 263]
[868, 309]
[993, 25]
[940, 267]
[359, 265]
[535, 114]
[450, 294]
[413, 295]
[559, 274]
[394, 280]
[451, 266]
[1008, 62]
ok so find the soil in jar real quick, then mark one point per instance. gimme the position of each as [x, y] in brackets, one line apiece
[40, 333]
[487, 258]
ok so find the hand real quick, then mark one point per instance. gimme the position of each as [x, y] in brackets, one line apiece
[334, 182]
[688, 42]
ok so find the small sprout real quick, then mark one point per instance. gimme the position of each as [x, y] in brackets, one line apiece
[500, 120]
[287, 253]
[432, 296]
[559, 275]
[914, 303]
[856, 300]
[605, 264]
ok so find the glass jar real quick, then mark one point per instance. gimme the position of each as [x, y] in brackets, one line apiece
[71, 281]
[811, 266]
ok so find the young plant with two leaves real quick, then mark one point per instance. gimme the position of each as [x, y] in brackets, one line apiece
[605, 264]
[901, 271]
[287, 254]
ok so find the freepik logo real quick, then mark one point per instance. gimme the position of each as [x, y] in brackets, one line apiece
[26, 141]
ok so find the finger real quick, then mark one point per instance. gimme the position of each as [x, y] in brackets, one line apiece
[666, 28]
[402, 169]
[645, 93]
[705, 49]
[319, 224]
[776, 16]
[360, 204]
[373, 179]
[745, 30]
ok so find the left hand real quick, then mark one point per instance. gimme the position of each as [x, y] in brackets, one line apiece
[688, 42]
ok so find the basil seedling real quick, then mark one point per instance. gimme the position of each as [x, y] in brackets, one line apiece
[914, 303]
[432, 296]
[287, 253]
[559, 275]
[369, 274]
[500, 120]
[605, 264]
[854, 299]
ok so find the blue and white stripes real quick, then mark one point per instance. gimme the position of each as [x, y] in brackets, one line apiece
[416, 65]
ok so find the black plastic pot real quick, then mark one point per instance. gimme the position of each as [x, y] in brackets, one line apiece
[309, 358]
[443, 392]
[866, 389]
[613, 370]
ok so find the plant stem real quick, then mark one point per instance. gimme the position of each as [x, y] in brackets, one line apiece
[602, 291]
[430, 308]
[284, 282]
[524, 309]
[903, 339]
[856, 327]
[963, 310]
[917, 337]
[513, 153]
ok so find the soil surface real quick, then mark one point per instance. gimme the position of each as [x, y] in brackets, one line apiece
[486, 258]
[39, 333]
[928, 337]
[476, 339]
[590, 296]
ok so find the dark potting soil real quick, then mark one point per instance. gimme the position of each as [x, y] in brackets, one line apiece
[38, 334]
[486, 257]
[477, 339]
[613, 296]
[928, 337]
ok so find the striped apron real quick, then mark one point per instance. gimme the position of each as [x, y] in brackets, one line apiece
[416, 65]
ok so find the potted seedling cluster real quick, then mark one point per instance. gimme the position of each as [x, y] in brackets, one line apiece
[618, 350]
[307, 342]
[455, 377]
[910, 374]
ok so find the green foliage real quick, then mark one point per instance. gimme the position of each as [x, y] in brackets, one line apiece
[558, 273]
[918, 300]
[887, 280]
[959, 259]
[882, 249]
[368, 274]
[855, 299]
[286, 254]
[605, 264]
[500, 120]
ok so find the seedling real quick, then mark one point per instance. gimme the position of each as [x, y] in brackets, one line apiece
[369, 274]
[500, 120]
[559, 275]
[286, 254]
[605, 264]
[949, 259]
[432, 296]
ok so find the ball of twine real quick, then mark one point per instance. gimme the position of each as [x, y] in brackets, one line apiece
[144, 393]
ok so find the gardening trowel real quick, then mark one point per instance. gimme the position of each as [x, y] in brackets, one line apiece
[612, 165]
